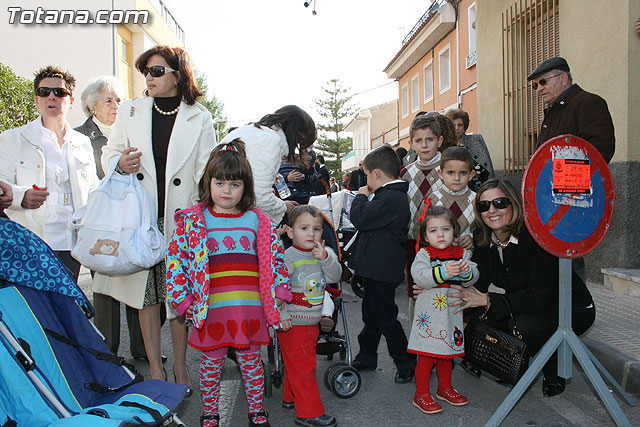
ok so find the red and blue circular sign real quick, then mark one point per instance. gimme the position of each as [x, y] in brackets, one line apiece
[568, 196]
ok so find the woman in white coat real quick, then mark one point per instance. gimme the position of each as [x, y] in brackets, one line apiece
[165, 139]
[274, 137]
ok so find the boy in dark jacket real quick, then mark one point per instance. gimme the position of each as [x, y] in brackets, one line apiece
[381, 214]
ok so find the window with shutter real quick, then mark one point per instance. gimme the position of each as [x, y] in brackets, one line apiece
[530, 34]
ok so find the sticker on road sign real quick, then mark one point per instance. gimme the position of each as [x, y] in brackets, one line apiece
[571, 176]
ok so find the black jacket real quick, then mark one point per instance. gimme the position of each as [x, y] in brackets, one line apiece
[98, 140]
[529, 275]
[381, 248]
[582, 114]
[357, 179]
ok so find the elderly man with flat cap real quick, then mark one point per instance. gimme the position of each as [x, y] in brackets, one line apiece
[570, 109]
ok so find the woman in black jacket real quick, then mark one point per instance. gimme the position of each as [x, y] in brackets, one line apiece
[509, 258]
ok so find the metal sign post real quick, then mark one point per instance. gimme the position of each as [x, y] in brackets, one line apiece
[568, 200]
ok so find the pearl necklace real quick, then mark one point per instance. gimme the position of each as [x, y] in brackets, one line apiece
[165, 113]
[502, 245]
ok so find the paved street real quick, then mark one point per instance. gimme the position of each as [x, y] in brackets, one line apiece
[383, 403]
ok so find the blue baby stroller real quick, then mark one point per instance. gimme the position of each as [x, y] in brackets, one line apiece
[55, 370]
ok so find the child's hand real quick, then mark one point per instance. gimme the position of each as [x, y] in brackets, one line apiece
[282, 229]
[453, 268]
[190, 310]
[286, 325]
[319, 252]
[464, 266]
[279, 302]
[364, 190]
[465, 241]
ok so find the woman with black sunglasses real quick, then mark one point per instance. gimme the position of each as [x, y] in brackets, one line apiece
[164, 139]
[509, 258]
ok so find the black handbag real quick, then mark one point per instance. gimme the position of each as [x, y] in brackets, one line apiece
[501, 354]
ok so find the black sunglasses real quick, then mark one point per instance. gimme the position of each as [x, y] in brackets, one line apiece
[543, 82]
[59, 92]
[499, 203]
[157, 70]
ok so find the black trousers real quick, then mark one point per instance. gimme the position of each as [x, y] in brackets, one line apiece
[70, 262]
[379, 314]
[107, 320]
[537, 328]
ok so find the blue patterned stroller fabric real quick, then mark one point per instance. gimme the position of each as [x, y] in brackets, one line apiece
[26, 260]
[74, 380]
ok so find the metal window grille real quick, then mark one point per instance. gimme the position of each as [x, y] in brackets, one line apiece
[530, 34]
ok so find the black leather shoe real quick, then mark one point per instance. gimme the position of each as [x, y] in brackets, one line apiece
[261, 414]
[552, 388]
[321, 421]
[472, 370]
[361, 367]
[404, 376]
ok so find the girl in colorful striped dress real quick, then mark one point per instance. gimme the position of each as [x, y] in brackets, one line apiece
[225, 271]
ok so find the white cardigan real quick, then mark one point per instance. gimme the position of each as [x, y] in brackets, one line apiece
[23, 164]
[192, 140]
[265, 149]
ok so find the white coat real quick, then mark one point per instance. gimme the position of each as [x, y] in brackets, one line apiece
[192, 140]
[23, 164]
[265, 149]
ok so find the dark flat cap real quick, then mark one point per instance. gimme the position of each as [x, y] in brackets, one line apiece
[556, 63]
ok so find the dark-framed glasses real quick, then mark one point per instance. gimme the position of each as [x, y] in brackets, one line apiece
[499, 203]
[543, 82]
[157, 70]
[59, 92]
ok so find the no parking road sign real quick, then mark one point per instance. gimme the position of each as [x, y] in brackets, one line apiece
[568, 196]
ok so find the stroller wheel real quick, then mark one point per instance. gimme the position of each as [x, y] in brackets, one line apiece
[329, 371]
[345, 382]
[357, 286]
[268, 385]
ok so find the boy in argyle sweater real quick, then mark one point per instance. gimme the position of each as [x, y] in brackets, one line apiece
[424, 138]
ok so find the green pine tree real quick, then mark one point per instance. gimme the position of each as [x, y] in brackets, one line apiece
[335, 108]
[214, 105]
[17, 100]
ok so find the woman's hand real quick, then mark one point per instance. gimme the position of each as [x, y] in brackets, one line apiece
[468, 298]
[129, 161]
[417, 290]
[465, 242]
[34, 197]
[295, 176]
[190, 310]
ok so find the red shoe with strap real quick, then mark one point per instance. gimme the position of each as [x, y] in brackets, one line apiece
[426, 404]
[452, 397]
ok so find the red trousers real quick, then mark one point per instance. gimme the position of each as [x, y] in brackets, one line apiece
[298, 347]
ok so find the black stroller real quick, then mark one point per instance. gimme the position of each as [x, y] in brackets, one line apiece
[340, 378]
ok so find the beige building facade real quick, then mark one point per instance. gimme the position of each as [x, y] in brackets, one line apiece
[88, 50]
[436, 65]
[603, 51]
[370, 129]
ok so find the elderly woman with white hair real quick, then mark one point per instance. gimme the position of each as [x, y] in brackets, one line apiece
[100, 102]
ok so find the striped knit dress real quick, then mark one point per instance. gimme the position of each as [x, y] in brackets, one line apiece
[235, 317]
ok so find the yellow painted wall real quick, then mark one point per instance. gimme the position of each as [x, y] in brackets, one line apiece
[598, 41]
